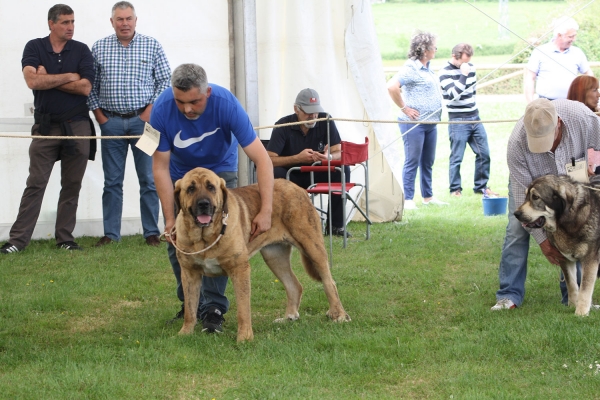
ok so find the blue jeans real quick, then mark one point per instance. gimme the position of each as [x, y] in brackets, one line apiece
[419, 152]
[212, 293]
[475, 135]
[513, 263]
[114, 155]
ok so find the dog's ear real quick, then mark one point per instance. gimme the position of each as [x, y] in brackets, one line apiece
[176, 193]
[225, 193]
[559, 203]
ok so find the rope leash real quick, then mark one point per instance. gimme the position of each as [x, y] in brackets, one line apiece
[174, 242]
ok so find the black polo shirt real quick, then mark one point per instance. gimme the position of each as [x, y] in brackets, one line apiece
[289, 140]
[75, 57]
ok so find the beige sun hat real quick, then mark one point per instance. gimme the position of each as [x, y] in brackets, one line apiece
[540, 124]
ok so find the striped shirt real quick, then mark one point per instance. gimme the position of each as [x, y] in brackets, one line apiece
[128, 78]
[581, 131]
[420, 88]
[459, 91]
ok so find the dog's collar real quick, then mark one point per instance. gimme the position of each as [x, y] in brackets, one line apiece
[224, 220]
[225, 216]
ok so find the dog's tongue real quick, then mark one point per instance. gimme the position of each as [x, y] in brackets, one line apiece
[203, 219]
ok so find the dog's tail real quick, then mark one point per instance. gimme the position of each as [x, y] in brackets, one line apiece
[310, 267]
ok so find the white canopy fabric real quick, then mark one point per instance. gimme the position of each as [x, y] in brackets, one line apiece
[328, 45]
[364, 63]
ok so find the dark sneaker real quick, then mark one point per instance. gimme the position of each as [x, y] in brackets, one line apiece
[9, 248]
[153, 240]
[178, 316]
[104, 240]
[213, 321]
[68, 246]
[338, 232]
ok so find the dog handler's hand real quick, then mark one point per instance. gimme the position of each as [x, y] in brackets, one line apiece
[260, 224]
[552, 254]
[168, 228]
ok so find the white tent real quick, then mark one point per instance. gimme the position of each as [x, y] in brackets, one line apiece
[329, 45]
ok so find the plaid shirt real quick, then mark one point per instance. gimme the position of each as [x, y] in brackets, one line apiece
[581, 131]
[128, 78]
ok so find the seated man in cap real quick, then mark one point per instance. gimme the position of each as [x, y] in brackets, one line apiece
[296, 145]
[545, 140]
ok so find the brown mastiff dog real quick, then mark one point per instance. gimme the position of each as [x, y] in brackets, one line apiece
[212, 233]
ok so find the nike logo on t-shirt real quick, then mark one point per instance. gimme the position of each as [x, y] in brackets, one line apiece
[182, 144]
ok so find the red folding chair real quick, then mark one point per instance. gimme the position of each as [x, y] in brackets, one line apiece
[353, 154]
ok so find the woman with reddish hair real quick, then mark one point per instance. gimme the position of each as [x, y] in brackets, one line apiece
[585, 90]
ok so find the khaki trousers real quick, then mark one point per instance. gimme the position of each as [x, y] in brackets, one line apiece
[43, 153]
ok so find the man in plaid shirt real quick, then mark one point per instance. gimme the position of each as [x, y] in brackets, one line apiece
[550, 136]
[131, 71]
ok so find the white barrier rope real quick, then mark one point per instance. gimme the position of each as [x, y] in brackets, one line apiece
[368, 121]
[381, 121]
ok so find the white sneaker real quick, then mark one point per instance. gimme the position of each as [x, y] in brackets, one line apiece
[434, 201]
[504, 304]
[410, 205]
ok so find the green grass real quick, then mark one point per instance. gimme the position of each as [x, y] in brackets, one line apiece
[456, 22]
[91, 324]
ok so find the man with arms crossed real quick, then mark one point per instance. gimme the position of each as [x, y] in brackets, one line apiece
[60, 72]
[131, 71]
[200, 125]
[555, 64]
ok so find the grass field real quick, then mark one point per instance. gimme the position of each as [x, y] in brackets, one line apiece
[456, 22]
[91, 324]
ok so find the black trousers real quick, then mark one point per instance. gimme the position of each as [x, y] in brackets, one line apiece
[303, 180]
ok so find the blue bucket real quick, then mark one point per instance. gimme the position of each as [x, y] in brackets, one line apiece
[494, 206]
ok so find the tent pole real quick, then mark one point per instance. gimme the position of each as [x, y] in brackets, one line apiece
[244, 70]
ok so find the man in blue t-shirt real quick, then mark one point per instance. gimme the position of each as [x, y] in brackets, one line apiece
[200, 125]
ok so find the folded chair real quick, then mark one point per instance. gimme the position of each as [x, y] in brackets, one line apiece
[353, 154]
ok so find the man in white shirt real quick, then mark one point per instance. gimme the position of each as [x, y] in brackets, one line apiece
[555, 64]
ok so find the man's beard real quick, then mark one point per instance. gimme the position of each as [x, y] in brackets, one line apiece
[310, 125]
[196, 116]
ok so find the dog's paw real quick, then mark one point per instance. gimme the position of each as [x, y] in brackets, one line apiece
[338, 316]
[582, 312]
[292, 317]
[186, 330]
[245, 335]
